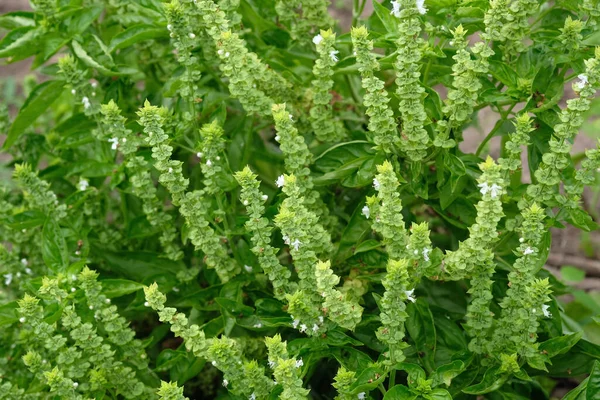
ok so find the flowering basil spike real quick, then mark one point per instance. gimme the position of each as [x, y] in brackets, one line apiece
[258, 226]
[586, 175]
[419, 251]
[462, 96]
[224, 353]
[393, 309]
[193, 205]
[516, 330]
[81, 88]
[326, 127]
[314, 14]
[170, 391]
[591, 8]
[184, 40]
[517, 139]
[212, 145]
[382, 125]
[344, 380]
[341, 310]
[286, 370]
[386, 211]
[414, 138]
[557, 159]
[37, 192]
[570, 35]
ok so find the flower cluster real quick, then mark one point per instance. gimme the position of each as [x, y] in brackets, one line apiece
[285, 369]
[382, 125]
[325, 126]
[517, 139]
[37, 192]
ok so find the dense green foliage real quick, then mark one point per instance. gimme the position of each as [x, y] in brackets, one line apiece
[240, 199]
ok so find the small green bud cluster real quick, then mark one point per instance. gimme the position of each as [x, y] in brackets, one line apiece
[557, 159]
[211, 146]
[517, 139]
[341, 310]
[326, 127]
[343, 380]
[591, 8]
[570, 35]
[81, 88]
[37, 192]
[414, 137]
[170, 391]
[381, 117]
[386, 210]
[258, 226]
[48, 8]
[285, 369]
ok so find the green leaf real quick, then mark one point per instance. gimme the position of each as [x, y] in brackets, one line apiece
[492, 380]
[593, 385]
[8, 313]
[38, 101]
[119, 287]
[572, 274]
[26, 220]
[560, 345]
[399, 392]
[389, 21]
[89, 61]
[579, 393]
[20, 43]
[445, 373]
[581, 219]
[415, 373]
[135, 34]
[421, 329]
[54, 247]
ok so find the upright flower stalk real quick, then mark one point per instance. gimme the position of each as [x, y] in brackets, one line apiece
[326, 127]
[414, 137]
[287, 370]
[382, 125]
[193, 205]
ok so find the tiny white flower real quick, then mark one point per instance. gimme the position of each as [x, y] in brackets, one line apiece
[277, 137]
[295, 323]
[521, 240]
[218, 158]
[73, 290]
[354, 53]
[28, 271]
[94, 85]
[421, 6]
[583, 80]
[107, 301]
[22, 320]
[426, 252]
[75, 384]
[83, 184]
[271, 364]
[495, 190]
[169, 27]
[416, 252]
[323, 294]
[264, 197]
[220, 52]
[199, 154]
[24, 261]
[286, 240]
[214, 363]
[227, 54]
[451, 43]
[86, 102]
[376, 184]
[320, 318]
[192, 36]
[208, 162]
[280, 181]
[73, 277]
[545, 309]
[93, 94]
[362, 396]
[8, 278]
[73, 91]
[317, 39]
[303, 328]
[533, 310]
[296, 244]
[18, 274]
[248, 268]
[409, 295]
[77, 252]
[245, 202]
[146, 304]
[91, 307]
[257, 325]
[252, 397]
[299, 363]
[291, 117]
[225, 382]
[124, 140]
[115, 142]
[170, 170]
[315, 328]
[395, 9]
[366, 212]
[484, 188]
[528, 251]
[332, 55]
